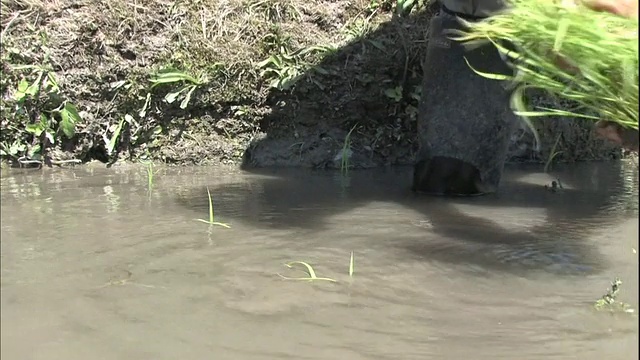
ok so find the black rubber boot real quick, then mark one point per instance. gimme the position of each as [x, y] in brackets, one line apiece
[464, 121]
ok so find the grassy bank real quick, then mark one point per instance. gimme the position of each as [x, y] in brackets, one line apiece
[197, 82]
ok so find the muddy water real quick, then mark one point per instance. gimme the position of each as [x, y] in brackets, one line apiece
[94, 266]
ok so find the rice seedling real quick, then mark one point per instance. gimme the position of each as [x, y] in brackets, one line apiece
[310, 272]
[211, 220]
[150, 175]
[571, 52]
[609, 302]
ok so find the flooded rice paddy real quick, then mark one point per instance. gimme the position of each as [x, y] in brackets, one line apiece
[96, 265]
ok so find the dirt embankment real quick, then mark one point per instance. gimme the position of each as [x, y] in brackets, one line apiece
[270, 82]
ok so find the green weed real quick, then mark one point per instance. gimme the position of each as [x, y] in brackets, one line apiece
[394, 94]
[351, 266]
[401, 7]
[609, 302]
[358, 28]
[285, 66]
[375, 5]
[112, 142]
[312, 274]
[276, 10]
[211, 220]
[187, 84]
[38, 103]
[150, 175]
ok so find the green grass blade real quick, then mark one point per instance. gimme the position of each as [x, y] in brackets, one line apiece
[351, 266]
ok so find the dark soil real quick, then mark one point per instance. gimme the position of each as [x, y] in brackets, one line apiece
[336, 66]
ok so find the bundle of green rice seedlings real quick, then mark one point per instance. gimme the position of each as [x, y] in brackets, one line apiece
[569, 51]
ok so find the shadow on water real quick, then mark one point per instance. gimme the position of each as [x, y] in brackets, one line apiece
[523, 228]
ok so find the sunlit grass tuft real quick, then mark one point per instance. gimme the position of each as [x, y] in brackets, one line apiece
[150, 175]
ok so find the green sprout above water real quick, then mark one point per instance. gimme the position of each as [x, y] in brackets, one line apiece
[609, 302]
[187, 84]
[351, 266]
[150, 174]
[312, 274]
[211, 220]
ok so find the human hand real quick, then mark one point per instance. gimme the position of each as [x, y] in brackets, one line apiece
[625, 8]
[627, 138]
